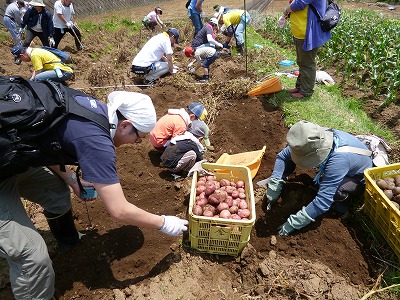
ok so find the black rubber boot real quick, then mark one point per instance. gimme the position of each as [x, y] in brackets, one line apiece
[63, 229]
[240, 49]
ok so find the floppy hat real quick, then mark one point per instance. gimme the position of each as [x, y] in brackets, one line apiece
[188, 51]
[175, 33]
[158, 9]
[310, 144]
[37, 3]
[198, 110]
[200, 129]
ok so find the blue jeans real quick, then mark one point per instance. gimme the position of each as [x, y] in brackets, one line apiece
[209, 60]
[244, 21]
[13, 29]
[51, 74]
[196, 20]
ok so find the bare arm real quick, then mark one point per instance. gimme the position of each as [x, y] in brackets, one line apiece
[170, 63]
[119, 208]
[199, 5]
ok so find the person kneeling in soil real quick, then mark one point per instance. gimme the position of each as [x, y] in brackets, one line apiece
[340, 176]
[155, 58]
[153, 19]
[45, 64]
[203, 48]
[130, 115]
[175, 123]
[183, 151]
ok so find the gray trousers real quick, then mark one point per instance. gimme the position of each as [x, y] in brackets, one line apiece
[306, 60]
[31, 270]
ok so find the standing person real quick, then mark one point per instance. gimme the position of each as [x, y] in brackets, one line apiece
[195, 13]
[62, 19]
[155, 58]
[308, 37]
[153, 19]
[12, 19]
[203, 48]
[85, 142]
[45, 64]
[235, 22]
[340, 176]
[175, 123]
[183, 151]
[39, 22]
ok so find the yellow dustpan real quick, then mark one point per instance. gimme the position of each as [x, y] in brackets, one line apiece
[269, 86]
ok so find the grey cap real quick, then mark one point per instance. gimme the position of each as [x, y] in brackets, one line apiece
[200, 129]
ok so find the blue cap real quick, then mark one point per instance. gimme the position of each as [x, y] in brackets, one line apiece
[17, 50]
[198, 110]
[175, 33]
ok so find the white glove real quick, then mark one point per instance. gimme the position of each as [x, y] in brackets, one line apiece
[197, 167]
[174, 71]
[52, 43]
[21, 30]
[192, 70]
[173, 225]
[69, 24]
[203, 14]
[191, 64]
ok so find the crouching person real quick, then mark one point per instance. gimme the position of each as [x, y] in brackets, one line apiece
[45, 64]
[340, 176]
[183, 151]
[155, 58]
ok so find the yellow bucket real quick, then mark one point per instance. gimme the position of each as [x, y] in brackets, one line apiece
[269, 86]
[251, 159]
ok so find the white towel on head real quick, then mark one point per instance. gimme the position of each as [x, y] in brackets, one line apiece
[135, 107]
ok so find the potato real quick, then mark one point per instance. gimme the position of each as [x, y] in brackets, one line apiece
[389, 194]
[396, 199]
[397, 180]
[396, 204]
[396, 190]
[382, 184]
[389, 179]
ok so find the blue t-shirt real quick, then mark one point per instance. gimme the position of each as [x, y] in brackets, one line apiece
[86, 143]
[192, 6]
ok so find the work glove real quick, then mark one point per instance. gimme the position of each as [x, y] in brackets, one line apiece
[219, 46]
[192, 70]
[274, 189]
[173, 225]
[225, 45]
[52, 43]
[191, 64]
[197, 167]
[297, 221]
[21, 30]
[203, 14]
[69, 24]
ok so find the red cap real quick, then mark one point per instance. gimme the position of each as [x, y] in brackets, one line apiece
[189, 51]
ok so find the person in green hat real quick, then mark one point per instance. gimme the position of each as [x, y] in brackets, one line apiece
[340, 173]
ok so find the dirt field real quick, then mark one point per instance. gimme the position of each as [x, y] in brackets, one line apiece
[330, 259]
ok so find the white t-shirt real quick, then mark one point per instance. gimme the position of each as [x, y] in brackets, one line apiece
[152, 16]
[153, 50]
[66, 11]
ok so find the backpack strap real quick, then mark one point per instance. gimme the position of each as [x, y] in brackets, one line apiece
[354, 150]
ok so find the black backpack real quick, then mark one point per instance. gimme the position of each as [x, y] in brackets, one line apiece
[29, 111]
[331, 17]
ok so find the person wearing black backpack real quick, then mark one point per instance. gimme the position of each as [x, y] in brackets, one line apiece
[46, 65]
[130, 117]
[308, 37]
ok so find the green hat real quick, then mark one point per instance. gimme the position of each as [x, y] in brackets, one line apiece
[310, 144]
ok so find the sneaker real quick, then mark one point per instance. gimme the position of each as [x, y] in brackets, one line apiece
[149, 82]
[298, 95]
[205, 78]
[291, 91]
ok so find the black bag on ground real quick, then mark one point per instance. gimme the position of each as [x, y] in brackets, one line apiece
[331, 17]
[29, 111]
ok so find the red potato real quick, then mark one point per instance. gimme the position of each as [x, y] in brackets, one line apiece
[235, 202]
[209, 207]
[233, 209]
[229, 189]
[240, 184]
[200, 183]
[243, 213]
[197, 210]
[233, 183]
[241, 190]
[208, 213]
[242, 195]
[229, 201]
[224, 182]
[222, 206]
[211, 178]
[225, 214]
[213, 199]
[202, 201]
[235, 194]
[243, 204]
[202, 178]
[200, 189]
[210, 188]
[235, 217]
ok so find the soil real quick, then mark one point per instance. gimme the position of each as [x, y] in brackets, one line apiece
[330, 259]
